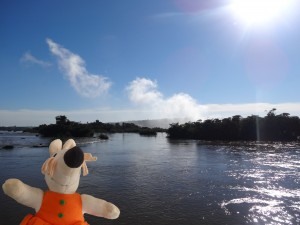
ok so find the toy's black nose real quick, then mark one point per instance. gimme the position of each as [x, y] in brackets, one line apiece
[74, 157]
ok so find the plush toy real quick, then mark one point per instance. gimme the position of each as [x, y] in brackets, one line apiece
[60, 205]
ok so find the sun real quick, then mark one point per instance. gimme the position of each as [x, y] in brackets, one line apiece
[259, 12]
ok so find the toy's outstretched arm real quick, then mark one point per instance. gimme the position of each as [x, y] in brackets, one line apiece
[98, 207]
[23, 193]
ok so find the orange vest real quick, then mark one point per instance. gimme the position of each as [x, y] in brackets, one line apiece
[58, 209]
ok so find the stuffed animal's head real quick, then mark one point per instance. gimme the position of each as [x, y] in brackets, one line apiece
[62, 170]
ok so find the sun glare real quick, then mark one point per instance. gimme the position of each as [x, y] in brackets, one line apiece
[259, 12]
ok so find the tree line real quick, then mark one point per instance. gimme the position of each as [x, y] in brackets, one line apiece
[272, 127]
[66, 128]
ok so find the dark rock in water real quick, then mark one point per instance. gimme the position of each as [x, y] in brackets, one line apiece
[40, 145]
[8, 147]
[103, 137]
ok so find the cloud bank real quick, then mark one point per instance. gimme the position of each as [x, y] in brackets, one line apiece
[144, 94]
[146, 97]
[73, 67]
[27, 117]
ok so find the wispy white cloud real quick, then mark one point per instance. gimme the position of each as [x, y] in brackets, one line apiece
[28, 58]
[73, 67]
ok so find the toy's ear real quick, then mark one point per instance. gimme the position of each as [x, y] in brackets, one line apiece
[55, 146]
[69, 144]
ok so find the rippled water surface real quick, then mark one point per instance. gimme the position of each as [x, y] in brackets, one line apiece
[157, 181]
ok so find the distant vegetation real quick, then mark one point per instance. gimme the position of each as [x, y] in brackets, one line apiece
[272, 127]
[14, 128]
[67, 128]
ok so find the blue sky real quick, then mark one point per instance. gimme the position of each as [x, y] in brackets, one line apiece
[139, 59]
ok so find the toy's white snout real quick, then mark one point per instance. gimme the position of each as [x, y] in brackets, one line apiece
[62, 170]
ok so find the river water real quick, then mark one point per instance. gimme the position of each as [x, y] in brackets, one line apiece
[154, 180]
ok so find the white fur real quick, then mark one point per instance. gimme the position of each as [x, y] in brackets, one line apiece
[64, 180]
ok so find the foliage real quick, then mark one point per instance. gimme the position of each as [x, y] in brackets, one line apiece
[272, 127]
[67, 128]
[147, 132]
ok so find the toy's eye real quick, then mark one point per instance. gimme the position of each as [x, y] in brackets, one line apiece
[54, 155]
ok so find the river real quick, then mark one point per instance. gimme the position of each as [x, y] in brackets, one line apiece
[156, 181]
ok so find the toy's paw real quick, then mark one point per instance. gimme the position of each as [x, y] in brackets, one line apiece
[12, 187]
[113, 211]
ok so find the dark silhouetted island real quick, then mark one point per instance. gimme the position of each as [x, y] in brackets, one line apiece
[66, 128]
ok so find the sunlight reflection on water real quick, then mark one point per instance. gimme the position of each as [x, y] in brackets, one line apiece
[271, 181]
